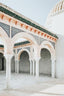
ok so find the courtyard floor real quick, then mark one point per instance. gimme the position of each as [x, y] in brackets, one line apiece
[26, 85]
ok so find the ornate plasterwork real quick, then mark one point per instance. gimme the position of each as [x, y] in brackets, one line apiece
[27, 27]
[30, 38]
[58, 8]
[20, 52]
[47, 45]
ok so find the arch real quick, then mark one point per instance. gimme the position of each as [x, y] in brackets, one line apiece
[45, 62]
[3, 36]
[6, 41]
[24, 35]
[49, 46]
[19, 53]
[24, 63]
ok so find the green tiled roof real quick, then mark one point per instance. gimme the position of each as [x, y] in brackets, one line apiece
[17, 44]
[12, 14]
[21, 43]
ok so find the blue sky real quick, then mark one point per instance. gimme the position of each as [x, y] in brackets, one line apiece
[36, 10]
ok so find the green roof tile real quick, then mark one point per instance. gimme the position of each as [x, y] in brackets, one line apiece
[12, 14]
[21, 43]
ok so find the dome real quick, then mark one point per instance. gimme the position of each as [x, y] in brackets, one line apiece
[58, 8]
[55, 19]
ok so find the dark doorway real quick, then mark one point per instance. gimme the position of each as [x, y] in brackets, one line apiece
[2, 66]
[2, 63]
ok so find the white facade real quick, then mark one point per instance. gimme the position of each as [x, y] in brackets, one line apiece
[55, 23]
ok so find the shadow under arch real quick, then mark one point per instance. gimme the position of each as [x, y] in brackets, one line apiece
[24, 63]
[47, 56]
[2, 62]
[45, 63]
[47, 45]
[22, 50]
[13, 64]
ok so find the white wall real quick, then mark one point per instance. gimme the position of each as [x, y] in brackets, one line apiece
[60, 57]
[56, 23]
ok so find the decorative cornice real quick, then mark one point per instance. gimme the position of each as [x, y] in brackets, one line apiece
[28, 25]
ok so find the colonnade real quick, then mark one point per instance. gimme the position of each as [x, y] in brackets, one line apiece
[34, 67]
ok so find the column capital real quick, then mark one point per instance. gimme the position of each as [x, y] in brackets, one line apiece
[16, 57]
[8, 56]
[53, 59]
[37, 58]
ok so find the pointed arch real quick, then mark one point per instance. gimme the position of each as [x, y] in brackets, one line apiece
[19, 53]
[3, 35]
[49, 46]
[6, 41]
[24, 35]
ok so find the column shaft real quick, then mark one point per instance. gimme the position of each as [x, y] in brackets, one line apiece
[53, 68]
[37, 68]
[31, 67]
[8, 71]
[17, 66]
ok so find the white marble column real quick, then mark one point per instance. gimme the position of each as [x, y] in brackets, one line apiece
[37, 68]
[53, 68]
[17, 66]
[31, 67]
[16, 63]
[8, 70]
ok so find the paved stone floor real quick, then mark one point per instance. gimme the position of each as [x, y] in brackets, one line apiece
[26, 85]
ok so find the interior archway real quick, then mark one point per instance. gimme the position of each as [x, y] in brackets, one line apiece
[24, 64]
[45, 63]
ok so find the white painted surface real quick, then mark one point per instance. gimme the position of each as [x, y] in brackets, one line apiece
[26, 85]
[60, 57]
[42, 95]
[57, 89]
[56, 23]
